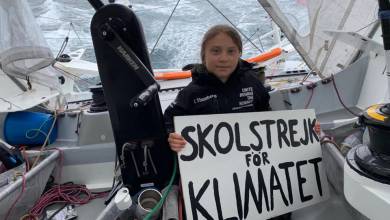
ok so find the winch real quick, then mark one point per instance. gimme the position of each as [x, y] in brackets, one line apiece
[373, 161]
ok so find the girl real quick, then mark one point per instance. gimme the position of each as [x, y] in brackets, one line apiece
[218, 82]
[223, 83]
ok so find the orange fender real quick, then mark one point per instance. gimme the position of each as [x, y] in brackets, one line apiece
[172, 75]
[266, 55]
[187, 74]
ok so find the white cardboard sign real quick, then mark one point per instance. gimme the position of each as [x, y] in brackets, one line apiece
[250, 165]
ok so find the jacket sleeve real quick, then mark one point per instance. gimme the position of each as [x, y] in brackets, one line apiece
[178, 107]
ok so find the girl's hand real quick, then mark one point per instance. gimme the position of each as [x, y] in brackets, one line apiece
[176, 142]
[317, 128]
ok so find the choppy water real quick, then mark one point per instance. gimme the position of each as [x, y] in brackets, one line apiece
[179, 45]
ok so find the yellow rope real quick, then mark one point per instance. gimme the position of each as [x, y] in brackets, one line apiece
[46, 140]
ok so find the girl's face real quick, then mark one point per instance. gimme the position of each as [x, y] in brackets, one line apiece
[221, 56]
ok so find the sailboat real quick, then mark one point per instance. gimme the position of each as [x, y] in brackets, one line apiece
[348, 74]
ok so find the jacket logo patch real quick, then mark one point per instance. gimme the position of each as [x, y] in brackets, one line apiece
[248, 93]
[203, 99]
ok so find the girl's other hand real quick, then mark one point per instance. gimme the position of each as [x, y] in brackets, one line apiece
[176, 142]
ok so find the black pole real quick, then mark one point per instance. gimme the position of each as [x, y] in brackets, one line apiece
[384, 16]
[96, 4]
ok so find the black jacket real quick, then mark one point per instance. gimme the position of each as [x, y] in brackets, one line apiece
[206, 94]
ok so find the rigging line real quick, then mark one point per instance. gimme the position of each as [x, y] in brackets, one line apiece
[183, 3]
[74, 30]
[70, 28]
[159, 55]
[165, 26]
[10, 103]
[220, 12]
[62, 48]
[73, 75]
[376, 20]
[65, 42]
[306, 77]
[250, 37]
[54, 38]
[57, 19]
[261, 42]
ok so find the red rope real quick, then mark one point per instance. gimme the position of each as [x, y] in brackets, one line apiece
[63, 193]
[339, 97]
[23, 149]
[309, 101]
[17, 199]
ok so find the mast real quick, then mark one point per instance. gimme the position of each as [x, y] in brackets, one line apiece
[384, 16]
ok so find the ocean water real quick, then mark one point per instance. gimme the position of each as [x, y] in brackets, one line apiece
[179, 43]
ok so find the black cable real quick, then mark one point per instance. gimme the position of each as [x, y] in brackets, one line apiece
[220, 12]
[165, 26]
